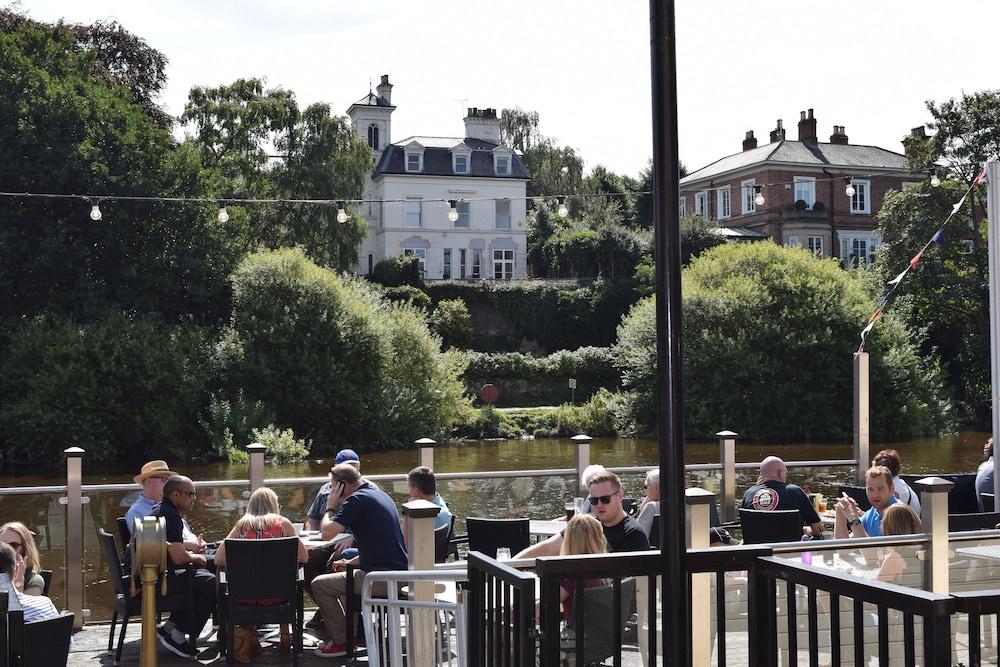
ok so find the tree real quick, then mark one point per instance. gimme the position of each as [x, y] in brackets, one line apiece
[320, 157]
[768, 336]
[968, 133]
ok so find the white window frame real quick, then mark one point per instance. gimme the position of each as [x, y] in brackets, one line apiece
[847, 246]
[501, 220]
[724, 203]
[420, 162]
[462, 253]
[501, 163]
[414, 211]
[476, 269]
[465, 157]
[814, 244]
[749, 196]
[421, 254]
[793, 241]
[805, 189]
[861, 202]
[373, 129]
[503, 263]
[701, 203]
[446, 264]
[682, 206]
[464, 209]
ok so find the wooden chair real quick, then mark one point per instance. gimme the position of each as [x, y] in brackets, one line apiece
[764, 527]
[975, 521]
[262, 570]
[47, 643]
[488, 535]
[127, 606]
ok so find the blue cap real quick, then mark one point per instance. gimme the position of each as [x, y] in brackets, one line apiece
[347, 456]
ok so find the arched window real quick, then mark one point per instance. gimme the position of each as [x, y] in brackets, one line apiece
[371, 263]
[373, 136]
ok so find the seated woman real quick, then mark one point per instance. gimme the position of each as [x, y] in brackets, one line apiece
[584, 535]
[898, 519]
[262, 521]
[17, 535]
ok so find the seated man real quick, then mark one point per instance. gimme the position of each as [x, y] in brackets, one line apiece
[423, 486]
[984, 475]
[35, 607]
[153, 476]
[651, 503]
[851, 522]
[178, 500]
[622, 532]
[371, 515]
[773, 492]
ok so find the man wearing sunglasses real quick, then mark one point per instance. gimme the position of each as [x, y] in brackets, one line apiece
[178, 500]
[621, 531]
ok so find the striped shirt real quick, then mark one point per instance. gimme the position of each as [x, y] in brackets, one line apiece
[36, 608]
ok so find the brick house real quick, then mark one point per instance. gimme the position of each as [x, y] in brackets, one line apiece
[804, 188]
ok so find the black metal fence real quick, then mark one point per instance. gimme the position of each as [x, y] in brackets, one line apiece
[501, 603]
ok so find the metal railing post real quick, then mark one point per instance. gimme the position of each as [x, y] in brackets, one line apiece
[425, 452]
[934, 516]
[420, 555]
[581, 457]
[698, 524]
[256, 452]
[862, 415]
[74, 501]
[727, 457]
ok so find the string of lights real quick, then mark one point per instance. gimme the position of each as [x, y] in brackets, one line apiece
[453, 214]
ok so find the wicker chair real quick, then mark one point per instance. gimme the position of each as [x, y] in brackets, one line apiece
[47, 643]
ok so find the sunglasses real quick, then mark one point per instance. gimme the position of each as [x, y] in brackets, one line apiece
[15, 545]
[602, 500]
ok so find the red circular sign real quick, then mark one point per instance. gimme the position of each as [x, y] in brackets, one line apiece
[489, 393]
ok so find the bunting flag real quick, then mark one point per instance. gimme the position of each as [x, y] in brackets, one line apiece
[915, 261]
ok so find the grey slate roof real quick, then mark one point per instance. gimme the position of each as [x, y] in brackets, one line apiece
[437, 158]
[372, 100]
[800, 153]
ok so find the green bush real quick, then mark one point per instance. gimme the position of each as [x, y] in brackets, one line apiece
[596, 418]
[769, 333]
[125, 389]
[413, 296]
[230, 425]
[484, 423]
[282, 445]
[398, 271]
[333, 359]
[452, 322]
[587, 364]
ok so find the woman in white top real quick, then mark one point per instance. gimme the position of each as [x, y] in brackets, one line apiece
[890, 459]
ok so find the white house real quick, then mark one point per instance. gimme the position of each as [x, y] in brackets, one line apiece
[414, 181]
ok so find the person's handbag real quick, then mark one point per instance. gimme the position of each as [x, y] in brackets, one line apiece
[246, 644]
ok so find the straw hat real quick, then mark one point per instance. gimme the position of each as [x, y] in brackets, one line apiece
[153, 468]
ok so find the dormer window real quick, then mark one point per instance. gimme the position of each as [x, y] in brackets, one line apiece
[461, 164]
[373, 136]
[461, 158]
[503, 166]
[413, 161]
[413, 154]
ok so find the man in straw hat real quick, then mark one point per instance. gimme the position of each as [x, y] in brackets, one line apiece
[153, 476]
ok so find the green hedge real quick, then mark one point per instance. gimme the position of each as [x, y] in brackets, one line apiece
[592, 364]
[552, 315]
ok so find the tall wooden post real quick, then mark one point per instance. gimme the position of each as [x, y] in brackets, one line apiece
[420, 554]
[727, 457]
[862, 416]
[993, 239]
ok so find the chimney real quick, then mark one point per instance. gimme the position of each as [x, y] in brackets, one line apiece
[838, 136]
[384, 89]
[778, 133]
[750, 142]
[807, 127]
[482, 124]
[914, 142]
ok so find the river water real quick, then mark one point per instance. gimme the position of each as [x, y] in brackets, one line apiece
[536, 497]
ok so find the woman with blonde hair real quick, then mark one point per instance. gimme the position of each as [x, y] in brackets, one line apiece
[584, 534]
[263, 520]
[17, 535]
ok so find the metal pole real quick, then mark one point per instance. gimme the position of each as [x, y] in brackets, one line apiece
[581, 457]
[727, 457]
[256, 451]
[74, 533]
[934, 517]
[993, 238]
[669, 398]
[862, 415]
[425, 452]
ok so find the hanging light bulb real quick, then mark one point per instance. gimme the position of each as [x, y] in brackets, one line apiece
[341, 213]
[453, 210]
[562, 211]
[935, 181]
[759, 199]
[223, 214]
[95, 213]
[849, 191]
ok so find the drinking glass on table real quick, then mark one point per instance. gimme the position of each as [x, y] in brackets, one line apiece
[578, 503]
[503, 553]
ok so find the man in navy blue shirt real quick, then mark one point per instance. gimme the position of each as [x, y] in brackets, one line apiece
[372, 517]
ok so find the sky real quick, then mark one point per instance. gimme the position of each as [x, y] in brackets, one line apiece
[583, 65]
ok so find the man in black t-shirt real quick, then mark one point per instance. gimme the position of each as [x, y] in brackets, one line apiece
[622, 532]
[773, 492]
[372, 517]
[178, 499]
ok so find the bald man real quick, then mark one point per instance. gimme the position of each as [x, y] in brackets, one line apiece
[773, 492]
